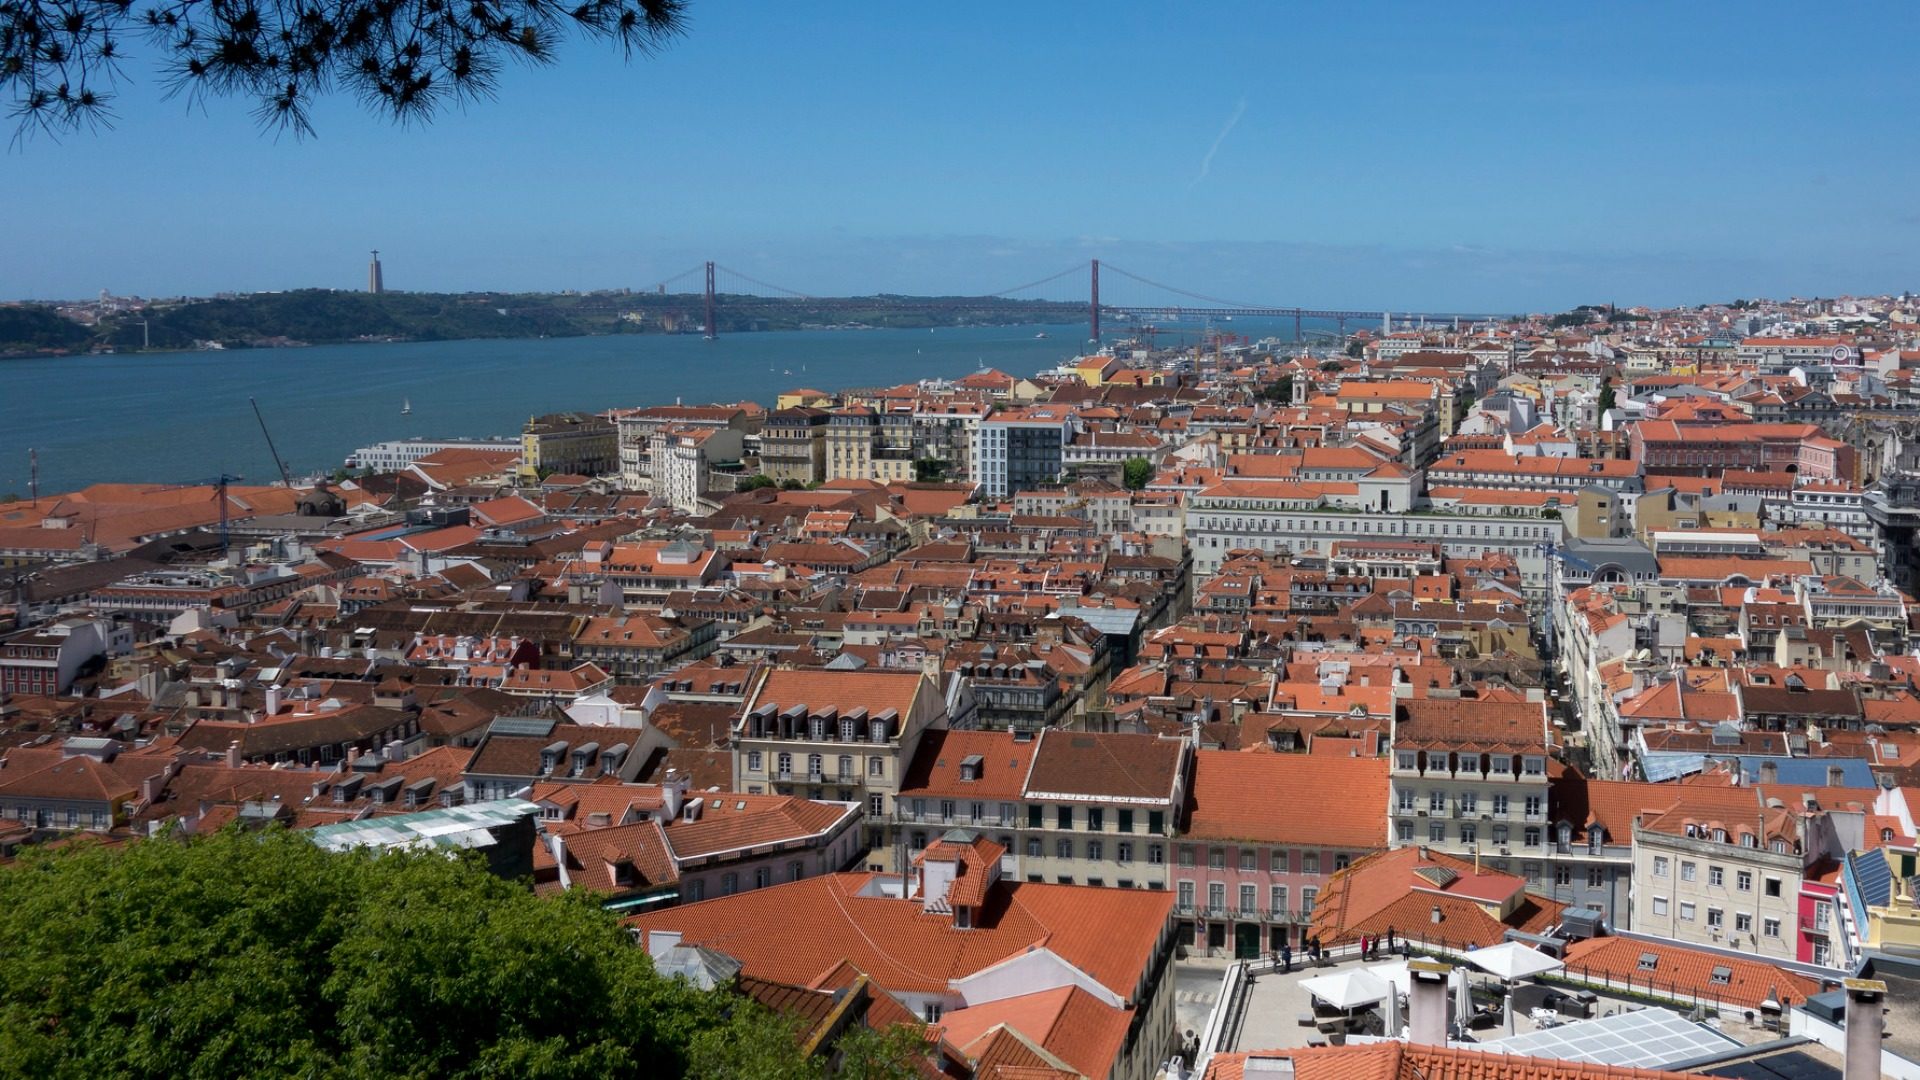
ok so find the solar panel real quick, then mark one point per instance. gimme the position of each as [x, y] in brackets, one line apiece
[1643, 1039]
[521, 725]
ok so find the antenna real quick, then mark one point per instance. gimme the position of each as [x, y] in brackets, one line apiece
[284, 476]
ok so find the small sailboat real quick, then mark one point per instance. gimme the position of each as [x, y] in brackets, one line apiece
[406, 406]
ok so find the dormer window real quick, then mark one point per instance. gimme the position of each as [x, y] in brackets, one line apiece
[1780, 846]
[1649, 961]
[1720, 836]
[1722, 975]
[970, 768]
[1749, 840]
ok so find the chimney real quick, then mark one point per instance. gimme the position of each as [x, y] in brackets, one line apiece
[233, 754]
[1427, 1002]
[673, 790]
[1865, 1028]
[150, 789]
[558, 844]
[396, 750]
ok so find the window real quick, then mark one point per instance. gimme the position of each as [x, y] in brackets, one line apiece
[1126, 820]
[1686, 910]
[1406, 800]
[1186, 856]
[1596, 876]
[1688, 869]
[1660, 866]
[1096, 819]
[1436, 832]
[1533, 808]
[1531, 837]
[1773, 886]
[1036, 816]
[1716, 877]
[729, 884]
[1216, 896]
[1279, 899]
[1307, 897]
[785, 763]
[1156, 855]
[1123, 851]
[1096, 850]
[1436, 801]
[1469, 832]
[1500, 834]
[1715, 918]
[1157, 822]
[1063, 848]
[754, 761]
[1770, 927]
[1341, 861]
[1563, 875]
[1405, 831]
[1063, 817]
[1659, 905]
[1469, 802]
[762, 877]
[1309, 862]
[946, 810]
[1743, 922]
[1186, 894]
[1408, 760]
[877, 805]
[1033, 847]
[1216, 858]
[696, 889]
[1499, 806]
[1743, 880]
[1249, 899]
[876, 766]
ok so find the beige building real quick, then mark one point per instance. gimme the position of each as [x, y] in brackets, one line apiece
[852, 435]
[793, 445]
[843, 736]
[1470, 776]
[1723, 867]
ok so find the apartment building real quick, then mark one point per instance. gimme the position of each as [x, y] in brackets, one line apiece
[1725, 866]
[1262, 836]
[1069, 807]
[1015, 449]
[567, 443]
[793, 445]
[1469, 777]
[847, 736]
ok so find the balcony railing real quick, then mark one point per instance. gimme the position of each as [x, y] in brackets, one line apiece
[783, 774]
[1814, 924]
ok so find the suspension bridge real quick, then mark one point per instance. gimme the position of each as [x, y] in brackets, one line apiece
[709, 292]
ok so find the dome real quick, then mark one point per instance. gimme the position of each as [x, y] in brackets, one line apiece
[322, 502]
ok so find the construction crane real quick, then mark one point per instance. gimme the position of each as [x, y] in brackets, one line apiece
[219, 484]
[285, 477]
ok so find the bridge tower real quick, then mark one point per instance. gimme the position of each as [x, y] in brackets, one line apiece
[713, 328]
[1296, 326]
[1093, 306]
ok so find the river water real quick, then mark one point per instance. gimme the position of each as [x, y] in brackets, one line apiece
[184, 417]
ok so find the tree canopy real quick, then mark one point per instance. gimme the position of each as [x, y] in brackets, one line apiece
[1137, 473]
[403, 58]
[258, 954]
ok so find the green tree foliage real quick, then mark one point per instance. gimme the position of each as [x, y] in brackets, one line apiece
[260, 955]
[929, 470]
[404, 58]
[756, 482]
[1355, 348]
[1281, 390]
[32, 328]
[1139, 472]
[1607, 396]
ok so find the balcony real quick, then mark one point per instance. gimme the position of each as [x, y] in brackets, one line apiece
[783, 774]
[814, 776]
[1814, 925]
[848, 776]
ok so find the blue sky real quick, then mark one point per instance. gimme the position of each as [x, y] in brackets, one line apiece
[1417, 156]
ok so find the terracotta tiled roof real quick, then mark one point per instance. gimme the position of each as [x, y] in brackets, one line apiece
[1689, 972]
[1140, 767]
[1402, 1061]
[1111, 934]
[1335, 802]
[1067, 1022]
[935, 769]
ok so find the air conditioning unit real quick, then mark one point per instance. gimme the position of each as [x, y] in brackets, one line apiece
[1421, 813]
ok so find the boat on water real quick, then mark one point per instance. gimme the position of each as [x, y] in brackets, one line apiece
[406, 406]
[1041, 336]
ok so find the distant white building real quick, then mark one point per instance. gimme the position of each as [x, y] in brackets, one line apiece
[397, 454]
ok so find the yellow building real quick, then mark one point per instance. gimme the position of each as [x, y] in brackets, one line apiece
[567, 443]
[804, 398]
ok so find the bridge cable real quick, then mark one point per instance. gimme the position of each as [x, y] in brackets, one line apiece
[1077, 268]
[1182, 292]
[763, 284]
